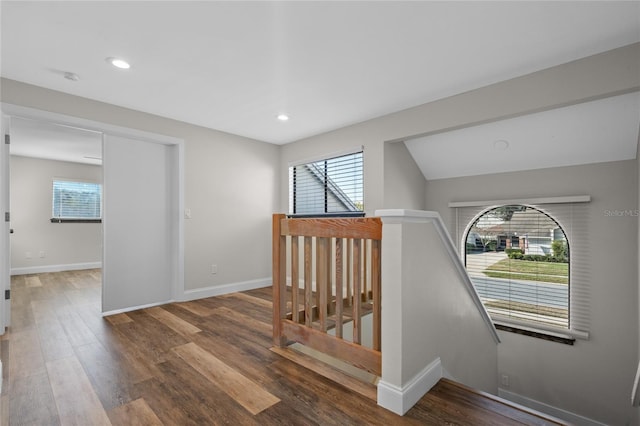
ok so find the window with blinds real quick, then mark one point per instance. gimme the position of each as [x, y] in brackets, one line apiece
[77, 201]
[332, 186]
[529, 263]
[518, 260]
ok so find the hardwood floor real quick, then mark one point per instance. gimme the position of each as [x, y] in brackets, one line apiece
[205, 362]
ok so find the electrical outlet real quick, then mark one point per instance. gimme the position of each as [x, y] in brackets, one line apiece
[505, 380]
[214, 269]
[28, 255]
[42, 255]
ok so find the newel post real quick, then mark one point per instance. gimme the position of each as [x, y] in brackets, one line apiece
[279, 269]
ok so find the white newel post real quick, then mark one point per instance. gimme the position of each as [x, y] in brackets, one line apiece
[433, 322]
[406, 377]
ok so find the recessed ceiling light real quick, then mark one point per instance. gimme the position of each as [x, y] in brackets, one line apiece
[119, 63]
[501, 145]
[283, 117]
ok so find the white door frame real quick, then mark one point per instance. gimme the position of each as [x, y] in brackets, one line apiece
[5, 237]
[177, 290]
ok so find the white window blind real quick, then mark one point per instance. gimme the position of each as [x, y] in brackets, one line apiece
[509, 254]
[331, 186]
[76, 200]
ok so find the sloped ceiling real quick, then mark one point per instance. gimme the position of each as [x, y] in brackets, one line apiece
[234, 66]
[591, 132]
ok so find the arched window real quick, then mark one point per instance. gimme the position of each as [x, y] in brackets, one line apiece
[518, 259]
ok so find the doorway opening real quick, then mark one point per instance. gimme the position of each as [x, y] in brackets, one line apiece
[162, 157]
[56, 197]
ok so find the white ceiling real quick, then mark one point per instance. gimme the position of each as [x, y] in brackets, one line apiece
[234, 66]
[51, 141]
[591, 132]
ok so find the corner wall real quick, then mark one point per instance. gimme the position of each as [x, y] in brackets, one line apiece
[403, 182]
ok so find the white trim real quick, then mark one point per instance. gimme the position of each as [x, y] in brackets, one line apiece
[568, 416]
[544, 200]
[86, 124]
[322, 157]
[178, 284]
[428, 216]
[5, 206]
[217, 290]
[135, 308]
[55, 268]
[201, 293]
[635, 396]
[400, 400]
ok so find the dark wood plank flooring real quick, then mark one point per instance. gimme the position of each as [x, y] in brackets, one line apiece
[204, 362]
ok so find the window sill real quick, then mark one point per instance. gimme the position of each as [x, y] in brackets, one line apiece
[59, 220]
[536, 334]
[567, 337]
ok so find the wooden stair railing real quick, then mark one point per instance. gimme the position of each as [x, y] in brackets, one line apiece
[341, 256]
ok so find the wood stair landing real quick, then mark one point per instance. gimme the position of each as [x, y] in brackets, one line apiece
[359, 381]
[454, 403]
[447, 403]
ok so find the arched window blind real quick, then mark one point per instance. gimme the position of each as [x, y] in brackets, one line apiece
[76, 200]
[514, 255]
[331, 186]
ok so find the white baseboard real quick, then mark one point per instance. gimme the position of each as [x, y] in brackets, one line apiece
[218, 290]
[400, 400]
[201, 293]
[134, 308]
[548, 409]
[55, 268]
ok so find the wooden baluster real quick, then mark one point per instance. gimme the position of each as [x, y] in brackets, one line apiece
[365, 295]
[322, 244]
[295, 277]
[349, 271]
[308, 289]
[279, 268]
[329, 266]
[376, 270]
[357, 289]
[339, 292]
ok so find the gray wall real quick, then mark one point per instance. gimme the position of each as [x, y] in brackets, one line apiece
[573, 377]
[230, 186]
[403, 180]
[65, 245]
